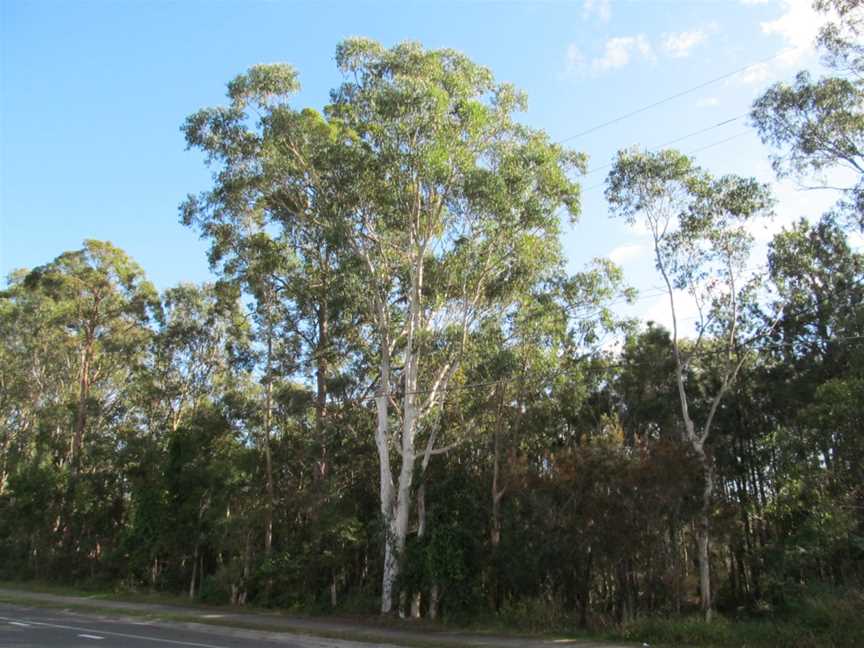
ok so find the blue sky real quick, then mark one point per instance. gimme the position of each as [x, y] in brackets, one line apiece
[92, 95]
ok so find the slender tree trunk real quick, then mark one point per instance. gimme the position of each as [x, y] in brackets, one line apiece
[266, 434]
[334, 599]
[703, 524]
[268, 425]
[398, 507]
[387, 495]
[268, 474]
[434, 600]
[626, 595]
[585, 590]
[321, 387]
[696, 441]
[702, 537]
[81, 413]
[5, 446]
[77, 442]
[417, 597]
[402, 505]
[246, 571]
[154, 573]
[496, 495]
[495, 533]
[193, 580]
[677, 571]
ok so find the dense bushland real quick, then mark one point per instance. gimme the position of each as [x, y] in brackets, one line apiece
[396, 397]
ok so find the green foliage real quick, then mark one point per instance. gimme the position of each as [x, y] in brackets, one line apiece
[818, 124]
[219, 440]
[817, 619]
[821, 121]
[29, 509]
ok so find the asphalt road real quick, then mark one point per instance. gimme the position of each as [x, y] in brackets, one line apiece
[28, 627]
[30, 618]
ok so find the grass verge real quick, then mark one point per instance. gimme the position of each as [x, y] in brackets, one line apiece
[819, 620]
[828, 619]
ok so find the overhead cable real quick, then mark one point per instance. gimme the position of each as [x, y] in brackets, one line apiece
[704, 84]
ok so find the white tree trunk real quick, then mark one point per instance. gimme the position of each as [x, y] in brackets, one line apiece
[391, 572]
[417, 597]
[396, 509]
[399, 509]
[382, 442]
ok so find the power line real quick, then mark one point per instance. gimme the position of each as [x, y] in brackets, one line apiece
[693, 152]
[725, 122]
[673, 97]
[723, 141]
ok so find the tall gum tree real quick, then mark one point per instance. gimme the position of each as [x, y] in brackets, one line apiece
[190, 358]
[817, 125]
[457, 211]
[103, 301]
[819, 281]
[36, 356]
[270, 221]
[701, 247]
[416, 205]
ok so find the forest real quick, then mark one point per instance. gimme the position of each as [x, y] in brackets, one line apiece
[396, 399]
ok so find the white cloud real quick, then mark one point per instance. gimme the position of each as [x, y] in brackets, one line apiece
[707, 102]
[798, 26]
[678, 45]
[686, 312]
[794, 202]
[620, 50]
[600, 8]
[815, 195]
[624, 253]
[764, 229]
[575, 59]
[754, 74]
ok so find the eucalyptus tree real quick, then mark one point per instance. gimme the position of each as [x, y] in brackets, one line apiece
[532, 366]
[34, 385]
[818, 279]
[270, 221]
[817, 125]
[841, 38]
[419, 178]
[457, 211]
[37, 384]
[200, 334]
[102, 301]
[818, 364]
[195, 355]
[701, 248]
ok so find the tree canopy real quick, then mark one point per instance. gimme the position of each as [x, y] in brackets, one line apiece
[396, 396]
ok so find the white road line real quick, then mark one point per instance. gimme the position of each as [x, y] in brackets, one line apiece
[119, 634]
[86, 636]
[18, 623]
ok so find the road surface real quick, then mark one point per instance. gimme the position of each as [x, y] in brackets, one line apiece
[28, 627]
[29, 619]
